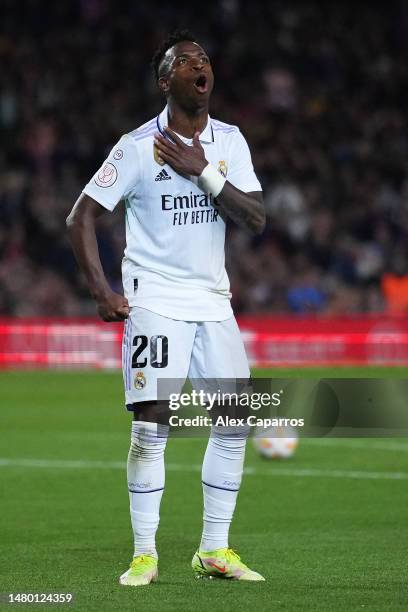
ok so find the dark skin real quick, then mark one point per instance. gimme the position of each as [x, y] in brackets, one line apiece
[188, 102]
[111, 306]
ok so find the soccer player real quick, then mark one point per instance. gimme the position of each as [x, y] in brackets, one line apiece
[181, 175]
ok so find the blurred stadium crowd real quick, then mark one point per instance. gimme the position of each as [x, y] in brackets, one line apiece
[318, 89]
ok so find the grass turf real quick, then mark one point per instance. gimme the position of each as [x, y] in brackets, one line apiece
[325, 529]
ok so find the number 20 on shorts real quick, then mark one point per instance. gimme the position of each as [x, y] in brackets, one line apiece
[157, 345]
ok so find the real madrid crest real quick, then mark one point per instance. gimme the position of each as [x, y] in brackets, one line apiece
[140, 381]
[222, 168]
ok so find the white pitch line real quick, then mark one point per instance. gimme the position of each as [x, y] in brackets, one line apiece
[347, 443]
[275, 470]
[62, 463]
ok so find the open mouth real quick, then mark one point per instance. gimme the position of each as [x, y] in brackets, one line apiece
[201, 84]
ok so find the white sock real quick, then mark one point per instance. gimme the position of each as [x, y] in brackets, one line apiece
[145, 474]
[222, 473]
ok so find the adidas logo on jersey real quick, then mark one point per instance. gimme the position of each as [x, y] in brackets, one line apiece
[163, 176]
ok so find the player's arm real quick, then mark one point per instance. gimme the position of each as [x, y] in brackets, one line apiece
[246, 209]
[81, 229]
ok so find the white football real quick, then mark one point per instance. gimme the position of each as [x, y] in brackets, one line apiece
[276, 442]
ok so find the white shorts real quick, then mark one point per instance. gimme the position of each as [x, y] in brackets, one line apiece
[156, 348]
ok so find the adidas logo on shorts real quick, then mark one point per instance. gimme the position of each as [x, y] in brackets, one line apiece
[163, 176]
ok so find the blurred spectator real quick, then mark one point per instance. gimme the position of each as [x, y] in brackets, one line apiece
[280, 89]
[395, 285]
[306, 294]
[318, 89]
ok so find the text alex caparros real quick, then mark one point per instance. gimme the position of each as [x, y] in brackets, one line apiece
[227, 421]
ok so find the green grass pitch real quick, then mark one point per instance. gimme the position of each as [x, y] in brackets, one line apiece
[328, 528]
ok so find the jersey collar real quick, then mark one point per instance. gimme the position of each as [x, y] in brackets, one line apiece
[206, 136]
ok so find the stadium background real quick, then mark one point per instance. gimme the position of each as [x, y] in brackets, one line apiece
[319, 90]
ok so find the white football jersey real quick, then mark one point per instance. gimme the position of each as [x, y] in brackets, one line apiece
[174, 261]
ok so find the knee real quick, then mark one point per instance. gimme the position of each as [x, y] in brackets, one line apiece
[148, 441]
[231, 438]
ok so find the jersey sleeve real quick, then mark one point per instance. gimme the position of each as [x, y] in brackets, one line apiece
[241, 172]
[117, 175]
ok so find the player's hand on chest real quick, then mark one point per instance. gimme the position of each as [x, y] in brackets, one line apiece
[187, 160]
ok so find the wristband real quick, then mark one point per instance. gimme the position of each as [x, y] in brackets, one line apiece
[211, 181]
